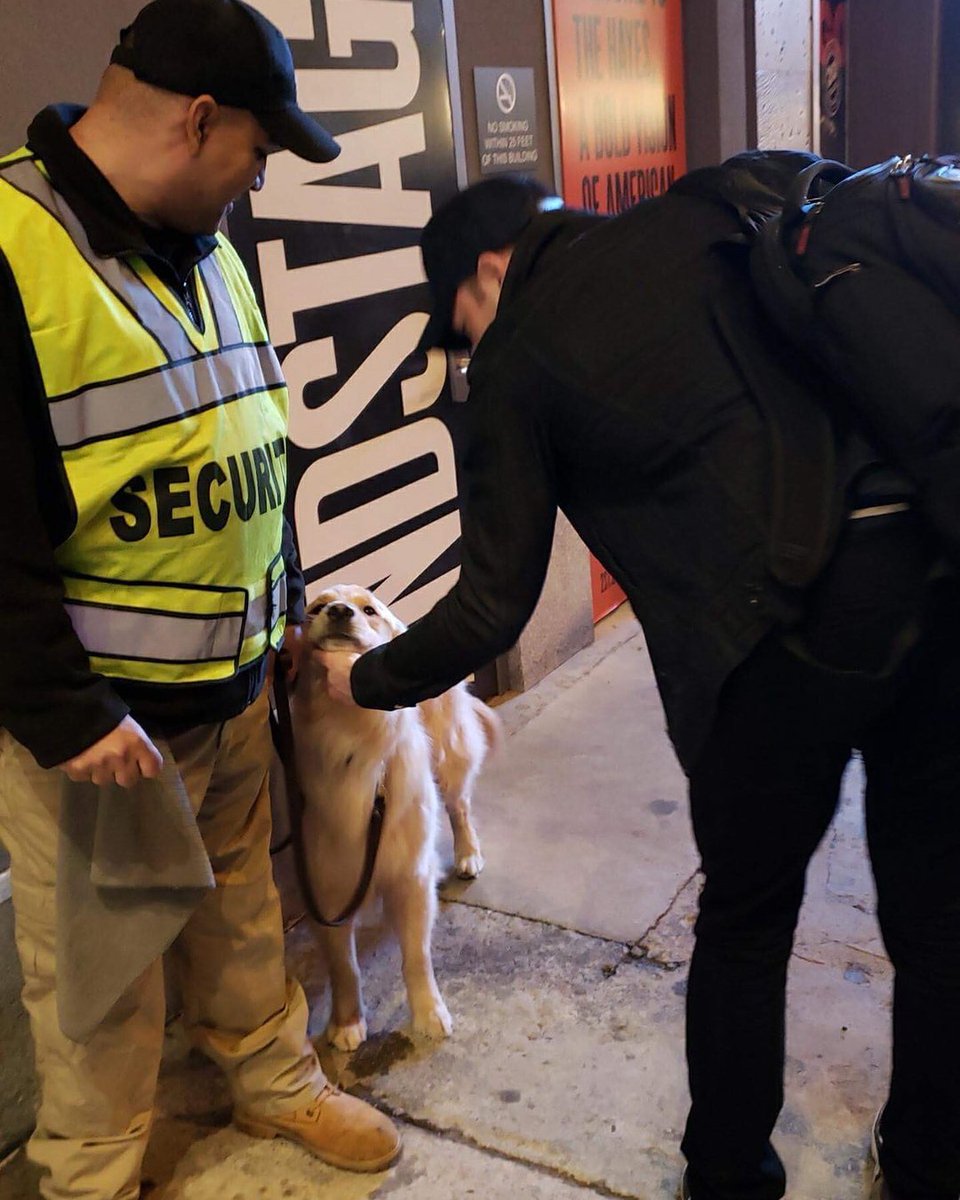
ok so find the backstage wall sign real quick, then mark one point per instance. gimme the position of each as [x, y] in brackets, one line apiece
[620, 91]
[332, 250]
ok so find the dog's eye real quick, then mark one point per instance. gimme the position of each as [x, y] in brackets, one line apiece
[370, 610]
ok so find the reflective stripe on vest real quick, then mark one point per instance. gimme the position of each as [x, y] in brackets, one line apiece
[113, 631]
[107, 410]
[129, 633]
[173, 440]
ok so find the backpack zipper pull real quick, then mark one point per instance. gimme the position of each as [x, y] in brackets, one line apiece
[901, 172]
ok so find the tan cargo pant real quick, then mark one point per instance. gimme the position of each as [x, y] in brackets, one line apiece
[241, 1009]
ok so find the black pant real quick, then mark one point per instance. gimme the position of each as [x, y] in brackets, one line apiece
[762, 797]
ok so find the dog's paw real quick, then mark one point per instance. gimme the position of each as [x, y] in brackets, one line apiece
[347, 1037]
[470, 866]
[434, 1022]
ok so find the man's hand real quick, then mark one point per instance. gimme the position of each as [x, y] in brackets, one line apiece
[124, 756]
[291, 652]
[339, 664]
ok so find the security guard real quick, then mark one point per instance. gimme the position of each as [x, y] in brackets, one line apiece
[148, 572]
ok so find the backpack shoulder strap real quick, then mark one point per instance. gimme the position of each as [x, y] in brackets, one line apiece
[809, 187]
[802, 440]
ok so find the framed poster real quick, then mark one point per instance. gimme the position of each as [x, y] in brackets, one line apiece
[619, 66]
[333, 254]
[832, 80]
[620, 92]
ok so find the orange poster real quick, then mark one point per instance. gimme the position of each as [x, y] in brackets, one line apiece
[620, 88]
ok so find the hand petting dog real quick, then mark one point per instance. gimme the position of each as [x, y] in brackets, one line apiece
[338, 665]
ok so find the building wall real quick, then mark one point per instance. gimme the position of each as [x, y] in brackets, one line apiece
[784, 57]
[893, 83]
[502, 33]
[718, 56]
[512, 33]
[948, 124]
[64, 64]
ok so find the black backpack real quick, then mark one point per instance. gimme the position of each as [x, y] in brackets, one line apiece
[861, 272]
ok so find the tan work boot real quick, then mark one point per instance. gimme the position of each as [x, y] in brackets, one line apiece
[342, 1130]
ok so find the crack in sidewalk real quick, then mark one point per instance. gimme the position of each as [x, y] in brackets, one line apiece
[503, 912]
[636, 949]
[630, 951]
[676, 896]
[458, 1137]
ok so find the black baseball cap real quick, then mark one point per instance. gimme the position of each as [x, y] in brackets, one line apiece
[227, 50]
[489, 215]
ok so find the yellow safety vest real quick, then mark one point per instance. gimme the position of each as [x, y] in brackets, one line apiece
[173, 439]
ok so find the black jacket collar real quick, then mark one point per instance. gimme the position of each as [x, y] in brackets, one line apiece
[113, 229]
[540, 246]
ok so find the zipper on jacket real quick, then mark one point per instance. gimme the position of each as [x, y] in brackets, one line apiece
[183, 289]
[188, 299]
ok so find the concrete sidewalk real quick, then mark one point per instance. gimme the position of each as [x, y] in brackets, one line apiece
[564, 967]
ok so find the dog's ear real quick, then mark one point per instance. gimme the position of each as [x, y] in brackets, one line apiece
[396, 625]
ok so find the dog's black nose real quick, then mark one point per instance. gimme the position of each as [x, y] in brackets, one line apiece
[339, 612]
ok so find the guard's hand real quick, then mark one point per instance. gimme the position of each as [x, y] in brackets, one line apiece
[125, 756]
[339, 664]
[291, 652]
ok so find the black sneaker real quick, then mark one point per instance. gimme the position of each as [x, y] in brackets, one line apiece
[880, 1190]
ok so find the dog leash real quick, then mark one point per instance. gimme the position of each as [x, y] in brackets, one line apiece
[282, 729]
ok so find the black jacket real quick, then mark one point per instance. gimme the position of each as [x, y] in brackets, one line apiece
[606, 387]
[50, 700]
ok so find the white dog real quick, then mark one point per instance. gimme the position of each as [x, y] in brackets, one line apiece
[344, 756]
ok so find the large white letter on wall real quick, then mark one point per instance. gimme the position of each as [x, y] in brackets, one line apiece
[332, 250]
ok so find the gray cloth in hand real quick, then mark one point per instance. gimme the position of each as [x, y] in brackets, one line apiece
[132, 869]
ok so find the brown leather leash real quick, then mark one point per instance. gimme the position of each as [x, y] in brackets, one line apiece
[282, 729]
